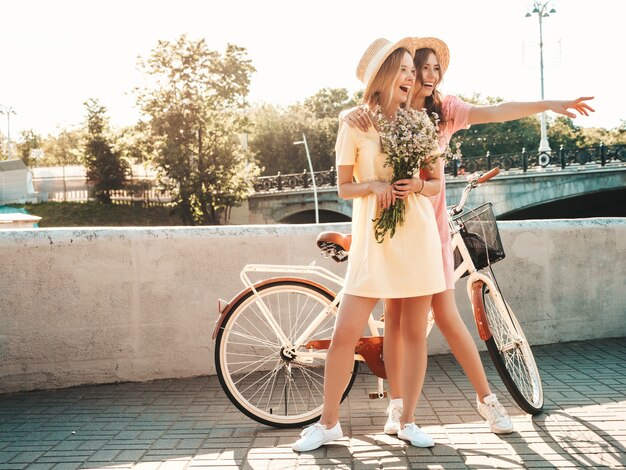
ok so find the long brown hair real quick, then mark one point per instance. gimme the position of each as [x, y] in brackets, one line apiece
[380, 90]
[433, 102]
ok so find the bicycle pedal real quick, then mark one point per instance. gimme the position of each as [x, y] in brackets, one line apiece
[375, 395]
[332, 250]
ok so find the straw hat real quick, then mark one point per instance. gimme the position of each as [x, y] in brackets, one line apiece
[441, 49]
[375, 55]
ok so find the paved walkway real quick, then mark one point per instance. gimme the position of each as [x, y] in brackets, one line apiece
[180, 424]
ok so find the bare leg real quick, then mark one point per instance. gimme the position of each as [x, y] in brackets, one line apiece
[351, 320]
[459, 339]
[413, 329]
[392, 347]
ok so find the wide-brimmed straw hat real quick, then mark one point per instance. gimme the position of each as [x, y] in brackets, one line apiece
[441, 49]
[375, 55]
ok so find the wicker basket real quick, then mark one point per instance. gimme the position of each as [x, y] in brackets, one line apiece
[481, 236]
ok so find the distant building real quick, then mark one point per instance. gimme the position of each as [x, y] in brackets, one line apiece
[16, 183]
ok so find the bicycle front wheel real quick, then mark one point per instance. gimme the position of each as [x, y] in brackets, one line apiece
[268, 382]
[511, 354]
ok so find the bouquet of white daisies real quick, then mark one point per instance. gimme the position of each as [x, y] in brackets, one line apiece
[411, 143]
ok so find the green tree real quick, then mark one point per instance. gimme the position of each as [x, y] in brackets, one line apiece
[105, 169]
[273, 133]
[194, 103]
[135, 143]
[563, 131]
[276, 128]
[592, 136]
[329, 102]
[3, 146]
[66, 148]
[28, 141]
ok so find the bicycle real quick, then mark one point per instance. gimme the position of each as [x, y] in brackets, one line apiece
[271, 338]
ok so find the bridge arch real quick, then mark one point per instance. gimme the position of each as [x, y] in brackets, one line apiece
[528, 192]
[604, 203]
[512, 193]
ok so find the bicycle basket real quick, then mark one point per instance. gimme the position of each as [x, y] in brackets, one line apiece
[480, 234]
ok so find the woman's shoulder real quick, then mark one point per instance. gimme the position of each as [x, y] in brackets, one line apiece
[452, 101]
[455, 112]
[454, 107]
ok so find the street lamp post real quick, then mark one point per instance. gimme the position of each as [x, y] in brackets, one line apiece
[8, 110]
[541, 10]
[308, 156]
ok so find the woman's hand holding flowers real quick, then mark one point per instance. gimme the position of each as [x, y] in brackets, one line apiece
[384, 193]
[404, 187]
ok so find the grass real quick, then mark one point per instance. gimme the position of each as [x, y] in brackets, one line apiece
[93, 214]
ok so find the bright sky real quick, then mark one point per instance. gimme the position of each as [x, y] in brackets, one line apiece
[56, 54]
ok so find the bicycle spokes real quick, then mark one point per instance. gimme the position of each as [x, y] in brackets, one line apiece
[514, 360]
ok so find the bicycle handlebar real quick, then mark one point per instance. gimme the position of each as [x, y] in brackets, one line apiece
[472, 182]
[487, 176]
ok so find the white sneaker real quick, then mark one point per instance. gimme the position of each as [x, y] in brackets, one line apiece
[495, 414]
[418, 438]
[394, 411]
[316, 436]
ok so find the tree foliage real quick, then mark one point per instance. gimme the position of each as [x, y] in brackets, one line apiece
[29, 140]
[3, 153]
[66, 148]
[105, 169]
[194, 103]
[275, 130]
[135, 144]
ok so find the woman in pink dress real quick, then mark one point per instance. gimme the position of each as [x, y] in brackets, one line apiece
[431, 60]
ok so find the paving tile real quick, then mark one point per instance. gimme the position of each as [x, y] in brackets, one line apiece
[190, 424]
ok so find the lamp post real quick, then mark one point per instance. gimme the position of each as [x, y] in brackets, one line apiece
[8, 110]
[308, 156]
[540, 8]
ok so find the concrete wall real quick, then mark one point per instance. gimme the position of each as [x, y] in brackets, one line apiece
[83, 306]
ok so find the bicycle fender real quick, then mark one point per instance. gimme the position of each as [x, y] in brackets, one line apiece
[223, 312]
[478, 309]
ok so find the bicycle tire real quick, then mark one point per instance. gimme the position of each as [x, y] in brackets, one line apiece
[302, 384]
[511, 354]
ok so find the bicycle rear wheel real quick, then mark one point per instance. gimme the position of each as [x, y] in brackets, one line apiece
[264, 380]
[511, 354]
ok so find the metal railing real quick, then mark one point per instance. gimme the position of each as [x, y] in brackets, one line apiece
[149, 197]
[295, 181]
[523, 161]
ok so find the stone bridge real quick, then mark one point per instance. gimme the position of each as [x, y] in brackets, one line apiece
[576, 191]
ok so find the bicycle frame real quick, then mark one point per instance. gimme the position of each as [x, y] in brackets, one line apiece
[375, 326]
[473, 281]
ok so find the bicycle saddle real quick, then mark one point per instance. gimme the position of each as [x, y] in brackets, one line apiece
[334, 245]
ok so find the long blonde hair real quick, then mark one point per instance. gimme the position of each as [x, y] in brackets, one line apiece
[379, 93]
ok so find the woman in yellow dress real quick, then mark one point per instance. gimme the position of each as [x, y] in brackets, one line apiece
[407, 266]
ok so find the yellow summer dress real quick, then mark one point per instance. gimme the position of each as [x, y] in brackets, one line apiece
[407, 265]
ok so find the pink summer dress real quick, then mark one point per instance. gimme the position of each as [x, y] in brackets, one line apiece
[456, 113]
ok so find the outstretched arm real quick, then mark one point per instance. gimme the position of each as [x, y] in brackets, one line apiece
[517, 110]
